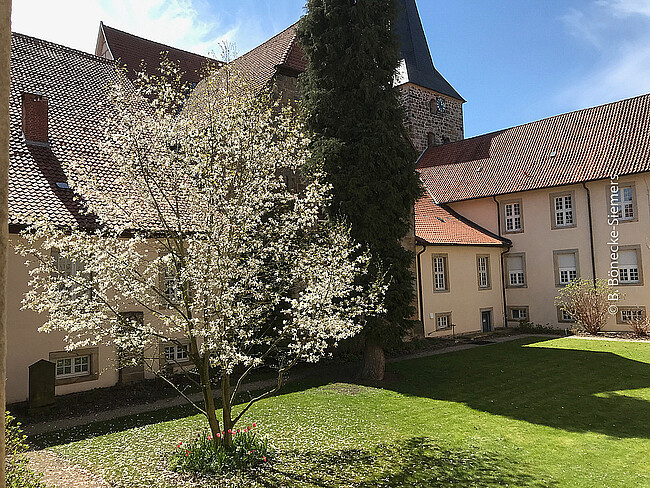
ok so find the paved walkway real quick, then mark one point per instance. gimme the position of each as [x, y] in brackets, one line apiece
[619, 339]
[115, 413]
[462, 347]
[58, 472]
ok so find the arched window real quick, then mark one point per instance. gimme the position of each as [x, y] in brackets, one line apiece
[433, 106]
[430, 139]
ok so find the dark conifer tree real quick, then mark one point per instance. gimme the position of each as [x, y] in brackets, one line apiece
[352, 108]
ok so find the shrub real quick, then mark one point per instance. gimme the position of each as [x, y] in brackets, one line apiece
[587, 302]
[640, 327]
[531, 327]
[17, 473]
[200, 455]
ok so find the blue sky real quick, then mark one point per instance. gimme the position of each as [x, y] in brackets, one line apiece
[514, 61]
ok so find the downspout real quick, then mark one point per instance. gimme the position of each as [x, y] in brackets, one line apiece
[503, 280]
[591, 233]
[424, 248]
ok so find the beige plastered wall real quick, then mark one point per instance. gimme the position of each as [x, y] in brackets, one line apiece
[26, 345]
[464, 300]
[539, 240]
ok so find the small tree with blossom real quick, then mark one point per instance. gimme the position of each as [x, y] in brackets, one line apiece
[586, 302]
[202, 226]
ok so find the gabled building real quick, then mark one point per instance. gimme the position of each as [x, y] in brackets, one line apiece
[570, 193]
[507, 218]
[133, 52]
[58, 102]
[59, 98]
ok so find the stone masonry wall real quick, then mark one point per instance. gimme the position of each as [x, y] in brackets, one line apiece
[420, 120]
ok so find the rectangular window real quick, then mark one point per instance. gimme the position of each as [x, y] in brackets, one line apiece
[440, 276]
[566, 266]
[483, 270]
[175, 354]
[565, 316]
[513, 216]
[563, 210]
[171, 287]
[518, 313]
[630, 314]
[624, 202]
[626, 315]
[443, 321]
[628, 266]
[73, 366]
[516, 270]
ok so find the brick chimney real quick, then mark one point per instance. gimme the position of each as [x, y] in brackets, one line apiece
[35, 117]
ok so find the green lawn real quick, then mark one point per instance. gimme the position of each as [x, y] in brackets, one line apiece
[532, 412]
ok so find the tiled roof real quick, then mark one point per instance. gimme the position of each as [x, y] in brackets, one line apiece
[260, 65]
[76, 85]
[439, 225]
[133, 50]
[585, 145]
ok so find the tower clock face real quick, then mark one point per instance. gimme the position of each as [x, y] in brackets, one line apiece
[440, 105]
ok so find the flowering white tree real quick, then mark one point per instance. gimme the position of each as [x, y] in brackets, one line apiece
[201, 225]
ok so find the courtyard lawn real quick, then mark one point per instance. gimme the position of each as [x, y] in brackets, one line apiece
[532, 412]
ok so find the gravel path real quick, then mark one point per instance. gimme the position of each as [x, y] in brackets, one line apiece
[58, 472]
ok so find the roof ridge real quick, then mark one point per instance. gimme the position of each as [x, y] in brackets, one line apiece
[550, 117]
[287, 51]
[159, 43]
[66, 48]
[267, 41]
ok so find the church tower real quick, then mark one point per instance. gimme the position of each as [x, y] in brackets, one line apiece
[433, 110]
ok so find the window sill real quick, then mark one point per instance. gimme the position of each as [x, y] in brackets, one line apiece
[70, 380]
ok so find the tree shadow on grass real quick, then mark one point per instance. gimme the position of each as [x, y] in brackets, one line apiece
[568, 389]
[96, 429]
[416, 462]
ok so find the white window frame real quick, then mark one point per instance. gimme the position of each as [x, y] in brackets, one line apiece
[565, 274]
[519, 276]
[440, 273]
[174, 353]
[444, 319]
[563, 210]
[630, 274]
[77, 366]
[520, 311]
[513, 217]
[634, 314]
[483, 271]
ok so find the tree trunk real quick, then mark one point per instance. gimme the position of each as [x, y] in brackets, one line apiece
[227, 409]
[374, 361]
[208, 400]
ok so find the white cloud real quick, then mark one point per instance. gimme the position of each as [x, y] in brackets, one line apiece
[583, 27]
[627, 7]
[75, 23]
[619, 32]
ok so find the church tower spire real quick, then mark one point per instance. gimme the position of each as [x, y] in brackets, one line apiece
[433, 108]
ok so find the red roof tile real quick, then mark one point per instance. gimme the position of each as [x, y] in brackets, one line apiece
[280, 52]
[132, 50]
[76, 85]
[585, 145]
[439, 225]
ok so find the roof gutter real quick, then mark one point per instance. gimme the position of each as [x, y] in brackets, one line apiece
[591, 233]
[502, 258]
[424, 248]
